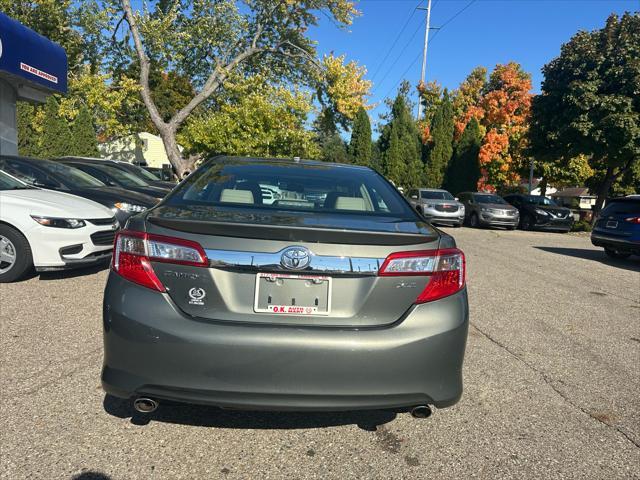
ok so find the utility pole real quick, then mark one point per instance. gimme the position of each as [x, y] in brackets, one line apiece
[424, 52]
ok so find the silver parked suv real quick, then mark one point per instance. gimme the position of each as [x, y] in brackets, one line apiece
[438, 206]
[489, 210]
[334, 296]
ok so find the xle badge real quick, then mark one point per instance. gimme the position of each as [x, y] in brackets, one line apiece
[196, 296]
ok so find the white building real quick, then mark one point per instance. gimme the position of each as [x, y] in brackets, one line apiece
[141, 148]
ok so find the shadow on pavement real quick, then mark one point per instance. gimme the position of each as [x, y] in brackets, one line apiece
[631, 263]
[79, 272]
[208, 416]
[91, 475]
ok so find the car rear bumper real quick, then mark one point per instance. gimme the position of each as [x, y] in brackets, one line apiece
[602, 240]
[151, 348]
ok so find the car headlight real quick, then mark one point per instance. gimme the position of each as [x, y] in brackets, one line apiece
[429, 205]
[541, 212]
[59, 222]
[129, 207]
[485, 209]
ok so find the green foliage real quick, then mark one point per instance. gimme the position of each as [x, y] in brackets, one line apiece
[590, 104]
[28, 144]
[56, 135]
[360, 145]
[463, 172]
[400, 146]
[334, 149]
[253, 119]
[441, 148]
[581, 226]
[83, 135]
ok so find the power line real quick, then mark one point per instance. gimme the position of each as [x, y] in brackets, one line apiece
[447, 22]
[395, 41]
[400, 54]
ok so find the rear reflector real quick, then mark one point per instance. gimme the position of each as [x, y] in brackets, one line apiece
[446, 268]
[134, 251]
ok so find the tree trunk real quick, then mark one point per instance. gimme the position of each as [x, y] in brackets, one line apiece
[182, 166]
[603, 191]
[543, 187]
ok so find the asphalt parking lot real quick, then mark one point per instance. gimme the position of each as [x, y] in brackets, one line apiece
[552, 387]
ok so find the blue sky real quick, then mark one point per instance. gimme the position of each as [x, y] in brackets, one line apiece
[486, 33]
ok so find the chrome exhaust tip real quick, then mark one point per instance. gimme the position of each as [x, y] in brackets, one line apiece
[421, 411]
[145, 405]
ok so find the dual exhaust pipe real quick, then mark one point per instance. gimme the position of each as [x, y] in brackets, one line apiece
[149, 405]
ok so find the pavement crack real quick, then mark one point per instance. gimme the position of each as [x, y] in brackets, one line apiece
[595, 416]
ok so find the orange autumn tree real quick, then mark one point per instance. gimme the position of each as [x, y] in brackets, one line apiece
[467, 98]
[505, 106]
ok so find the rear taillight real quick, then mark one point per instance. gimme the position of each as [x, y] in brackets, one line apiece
[133, 253]
[446, 268]
[635, 220]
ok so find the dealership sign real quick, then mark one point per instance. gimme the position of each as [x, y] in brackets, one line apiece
[33, 58]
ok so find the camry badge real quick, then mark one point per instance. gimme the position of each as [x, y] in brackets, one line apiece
[295, 258]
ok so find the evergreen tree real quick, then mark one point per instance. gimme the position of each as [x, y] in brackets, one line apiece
[400, 146]
[83, 135]
[334, 149]
[56, 135]
[27, 136]
[463, 172]
[360, 146]
[441, 149]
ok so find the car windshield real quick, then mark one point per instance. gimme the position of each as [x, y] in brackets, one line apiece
[142, 173]
[71, 176]
[484, 198]
[435, 195]
[539, 200]
[7, 182]
[279, 186]
[125, 179]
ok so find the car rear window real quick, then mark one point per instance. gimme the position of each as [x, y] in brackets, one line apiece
[304, 187]
[621, 207]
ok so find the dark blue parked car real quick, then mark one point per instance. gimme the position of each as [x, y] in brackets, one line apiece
[617, 228]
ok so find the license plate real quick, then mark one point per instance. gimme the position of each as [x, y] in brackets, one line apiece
[285, 294]
[612, 224]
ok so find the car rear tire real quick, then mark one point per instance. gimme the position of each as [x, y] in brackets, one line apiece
[474, 221]
[616, 254]
[15, 255]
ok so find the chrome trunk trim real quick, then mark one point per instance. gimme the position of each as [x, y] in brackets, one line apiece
[257, 261]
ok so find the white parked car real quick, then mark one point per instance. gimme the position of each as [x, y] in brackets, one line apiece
[49, 230]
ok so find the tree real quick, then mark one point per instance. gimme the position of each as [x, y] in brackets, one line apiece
[56, 135]
[334, 149]
[441, 145]
[28, 144]
[209, 41]
[463, 172]
[400, 145]
[590, 104]
[506, 105]
[360, 145]
[467, 99]
[253, 118]
[84, 142]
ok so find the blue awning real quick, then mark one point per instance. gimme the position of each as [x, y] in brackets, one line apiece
[31, 57]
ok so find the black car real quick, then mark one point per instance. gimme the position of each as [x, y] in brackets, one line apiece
[115, 177]
[131, 168]
[61, 177]
[165, 173]
[540, 213]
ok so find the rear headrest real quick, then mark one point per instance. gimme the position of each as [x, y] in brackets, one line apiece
[350, 203]
[229, 195]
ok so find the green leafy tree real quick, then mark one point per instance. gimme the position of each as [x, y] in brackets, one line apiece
[590, 103]
[441, 146]
[56, 135]
[84, 141]
[28, 137]
[400, 145]
[463, 172]
[210, 41]
[360, 145]
[253, 119]
[334, 149]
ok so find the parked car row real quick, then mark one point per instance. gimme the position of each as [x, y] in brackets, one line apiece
[617, 228]
[64, 213]
[478, 209]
